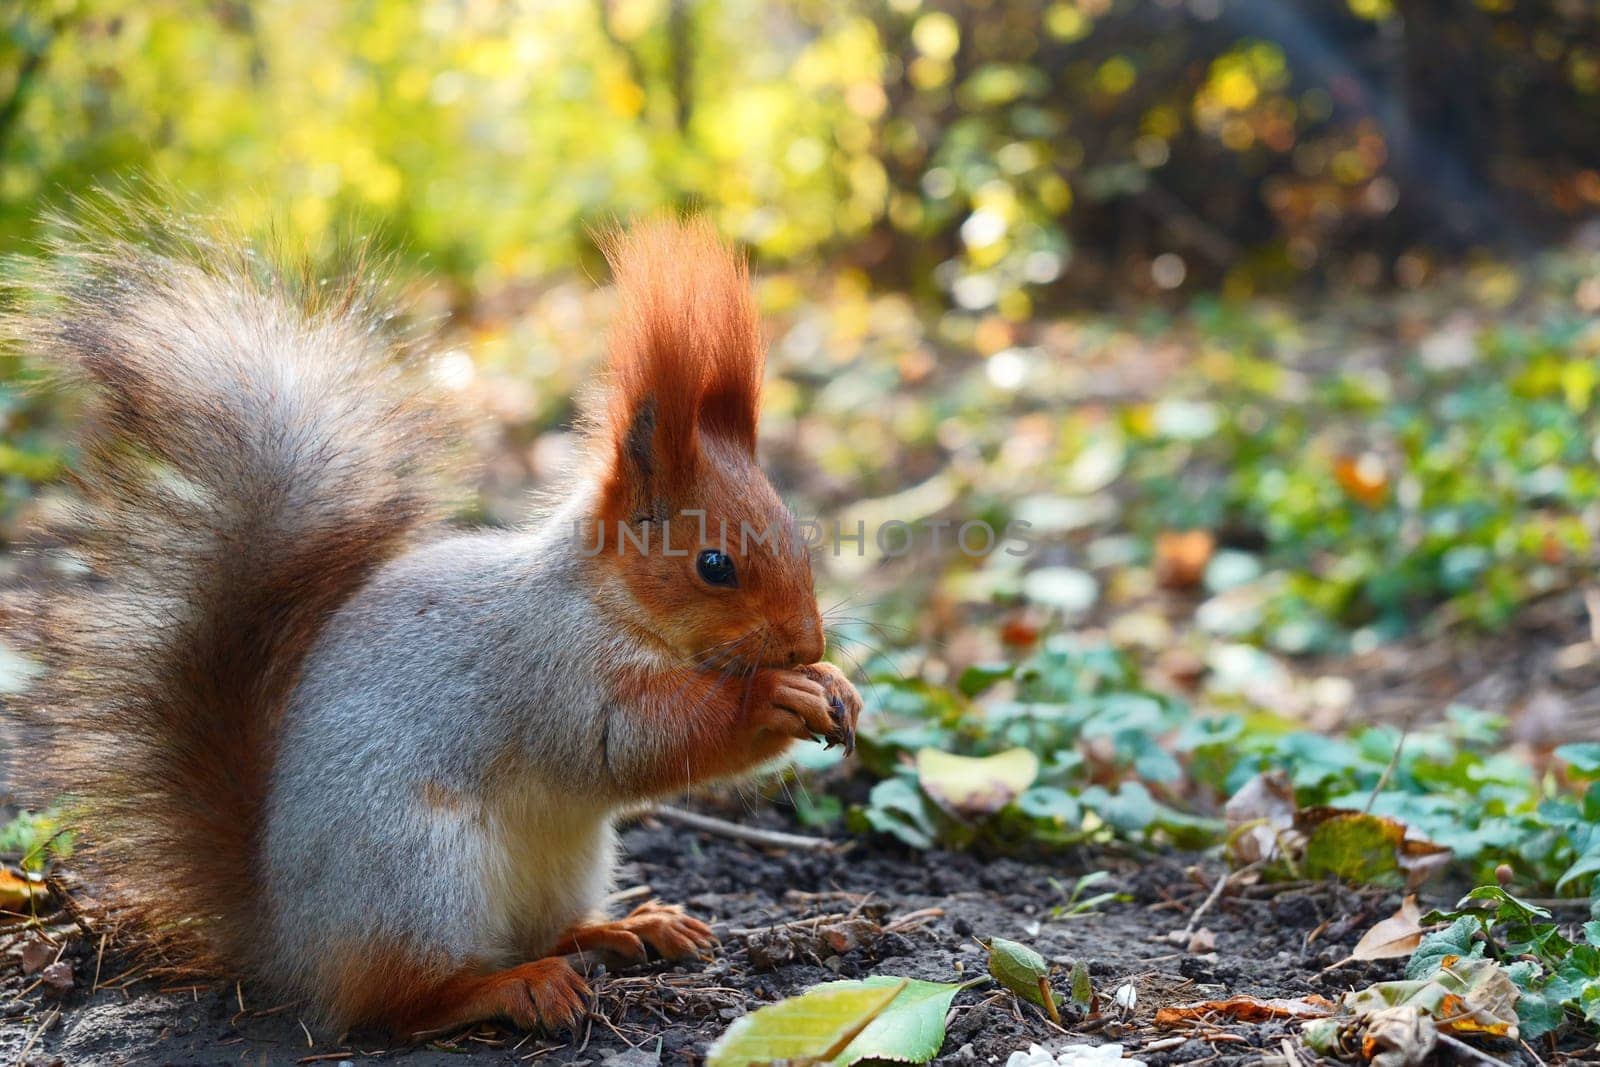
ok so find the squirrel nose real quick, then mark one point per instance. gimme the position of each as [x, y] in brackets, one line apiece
[808, 647]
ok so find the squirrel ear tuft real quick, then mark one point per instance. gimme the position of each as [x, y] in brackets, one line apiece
[639, 471]
[687, 339]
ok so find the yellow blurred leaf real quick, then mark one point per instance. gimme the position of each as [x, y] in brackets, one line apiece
[20, 893]
[976, 785]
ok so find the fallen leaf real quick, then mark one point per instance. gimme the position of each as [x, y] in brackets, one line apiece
[1024, 972]
[1366, 849]
[1259, 815]
[841, 1023]
[21, 892]
[1398, 935]
[1246, 1009]
[910, 1030]
[976, 786]
[1326, 1036]
[1399, 1037]
[813, 1027]
[37, 955]
[1466, 996]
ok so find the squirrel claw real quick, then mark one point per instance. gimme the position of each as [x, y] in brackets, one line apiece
[844, 732]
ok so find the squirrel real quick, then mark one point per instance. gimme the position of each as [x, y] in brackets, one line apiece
[327, 743]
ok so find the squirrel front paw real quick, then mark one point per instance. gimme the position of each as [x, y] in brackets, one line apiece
[809, 702]
[844, 705]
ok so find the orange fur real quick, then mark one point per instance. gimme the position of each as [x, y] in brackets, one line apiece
[706, 725]
[678, 434]
[230, 511]
[663, 927]
[166, 676]
[414, 1000]
[687, 338]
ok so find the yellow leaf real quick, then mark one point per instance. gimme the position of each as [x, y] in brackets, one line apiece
[19, 893]
[981, 785]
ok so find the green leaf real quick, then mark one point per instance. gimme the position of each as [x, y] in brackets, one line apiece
[1584, 758]
[1081, 990]
[981, 676]
[910, 1030]
[818, 1024]
[879, 1018]
[1458, 939]
[1052, 804]
[896, 807]
[1128, 810]
[1023, 971]
[1586, 865]
[1508, 907]
[1355, 847]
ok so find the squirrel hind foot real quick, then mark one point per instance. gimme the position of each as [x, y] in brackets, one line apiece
[665, 928]
[545, 994]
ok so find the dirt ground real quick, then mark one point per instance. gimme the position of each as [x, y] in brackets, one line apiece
[789, 919]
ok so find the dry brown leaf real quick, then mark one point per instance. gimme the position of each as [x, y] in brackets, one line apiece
[1466, 996]
[1399, 1037]
[1398, 935]
[1247, 1010]
[1259, 815]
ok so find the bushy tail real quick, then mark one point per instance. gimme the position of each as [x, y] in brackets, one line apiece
[256, 442]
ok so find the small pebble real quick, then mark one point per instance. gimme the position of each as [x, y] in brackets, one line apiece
[58, 980]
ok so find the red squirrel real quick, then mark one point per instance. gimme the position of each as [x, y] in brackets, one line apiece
[325, 742]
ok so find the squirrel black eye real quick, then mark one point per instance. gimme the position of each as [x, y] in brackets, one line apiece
[716, 568]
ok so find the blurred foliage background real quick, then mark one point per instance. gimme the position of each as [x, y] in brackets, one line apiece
[1276, 318]
[998, 152]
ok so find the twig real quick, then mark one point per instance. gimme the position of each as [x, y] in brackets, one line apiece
[1211, 898]
[622, 896]
[1164, 1044]
[1383, 779]
[1464, 1049]
[912, 919]
[748, 834]
[46, 1023]
[99, 958]
[812, 921]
